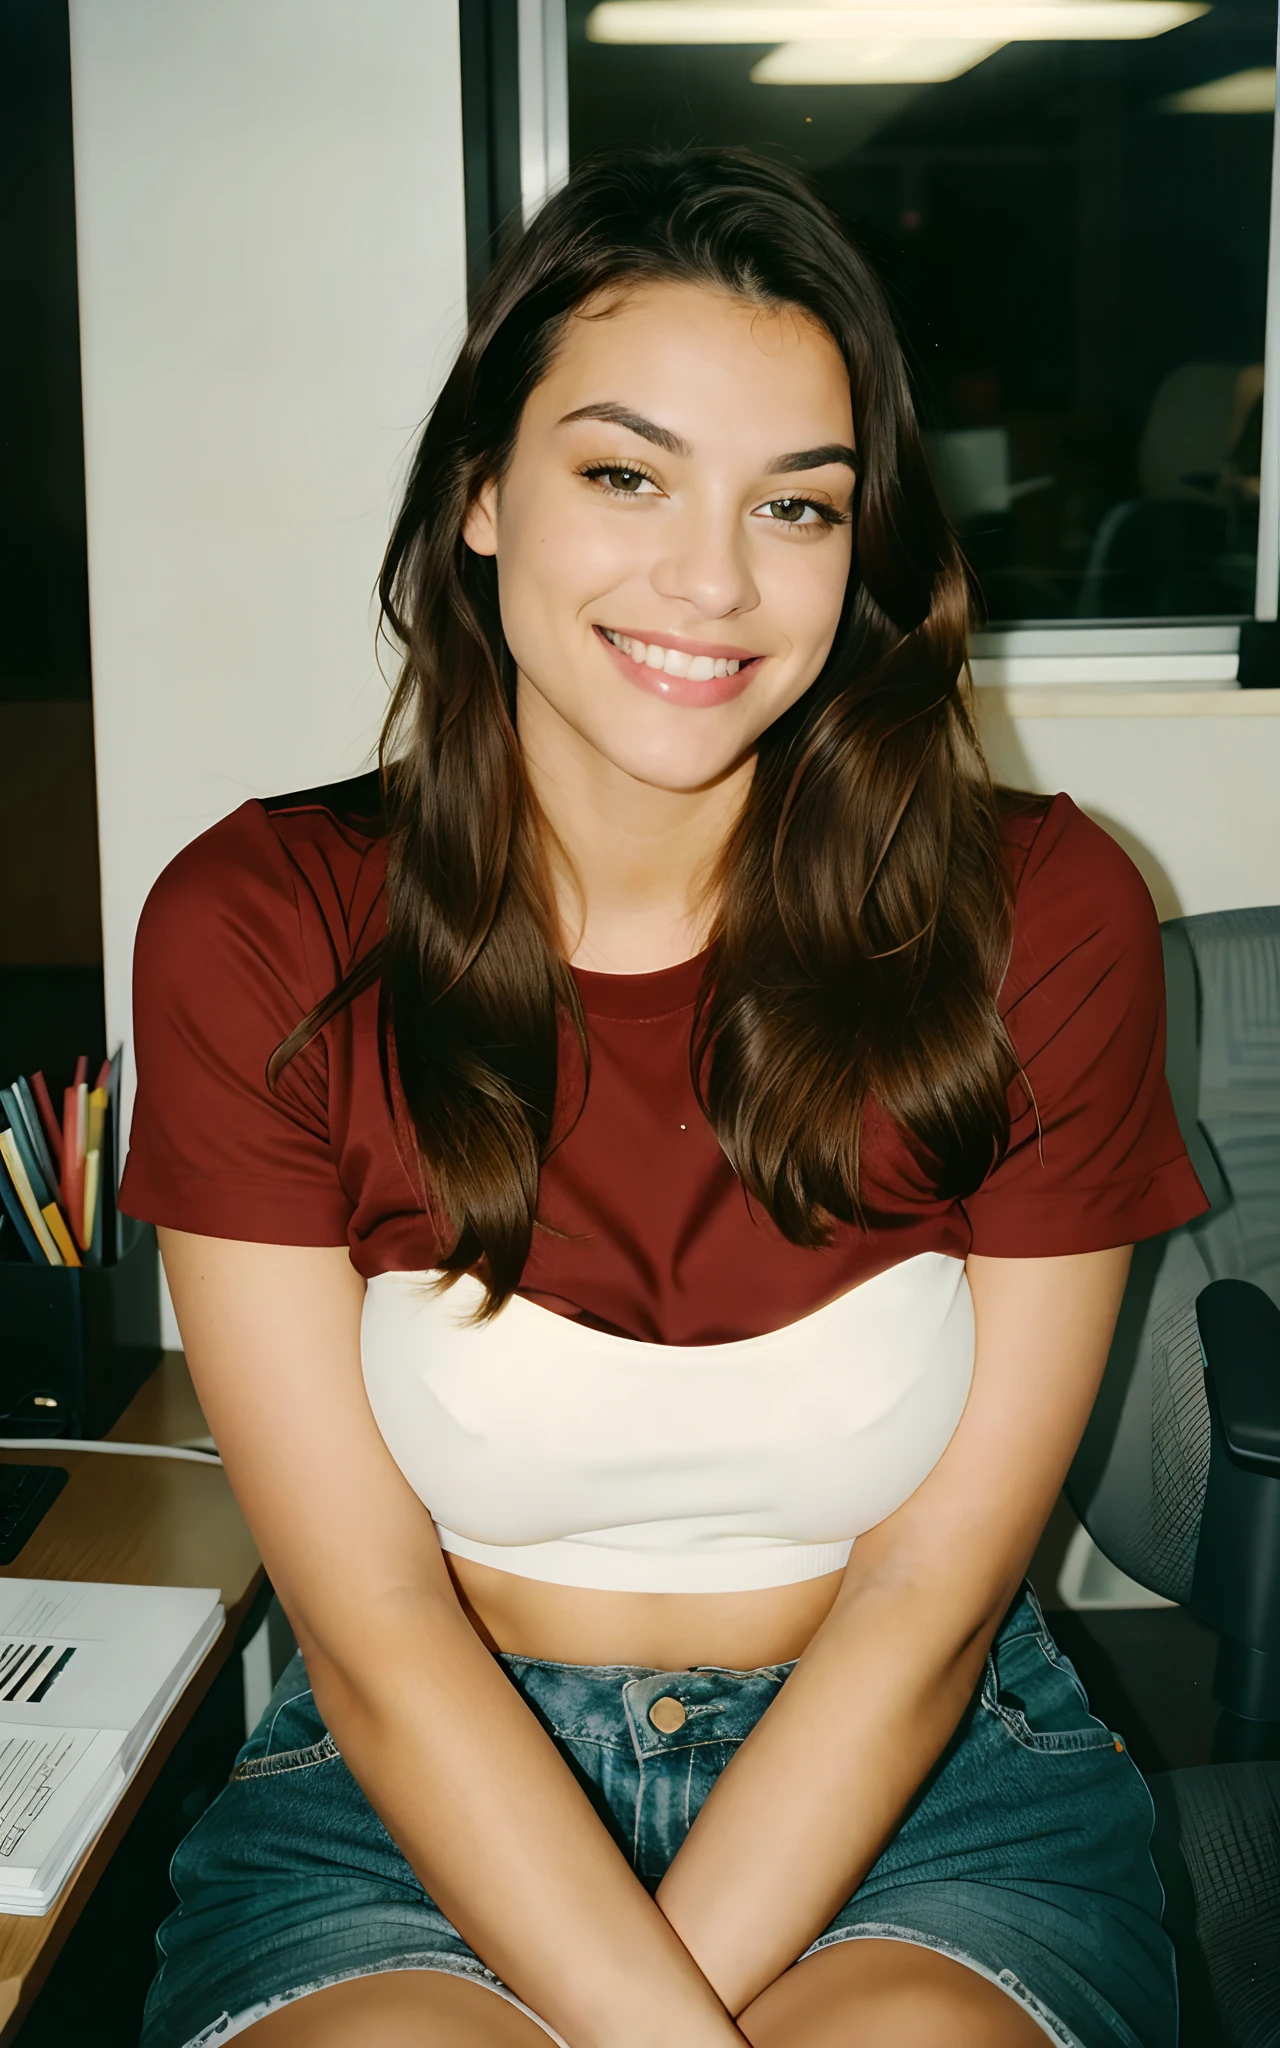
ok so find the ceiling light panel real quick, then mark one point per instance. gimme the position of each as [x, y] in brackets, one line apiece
[870, 63]
[1244, 92]
[989, 21]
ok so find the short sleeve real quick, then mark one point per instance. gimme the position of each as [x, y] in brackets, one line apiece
[1095, 1156]
[220, 978]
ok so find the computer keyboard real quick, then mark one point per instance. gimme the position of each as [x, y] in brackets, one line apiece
[27, 1492]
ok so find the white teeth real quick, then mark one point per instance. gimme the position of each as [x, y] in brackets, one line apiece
[698, 668]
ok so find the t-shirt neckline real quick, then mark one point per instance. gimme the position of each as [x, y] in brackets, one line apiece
[656, 994]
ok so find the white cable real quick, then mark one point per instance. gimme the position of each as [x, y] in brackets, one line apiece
[76, 1443]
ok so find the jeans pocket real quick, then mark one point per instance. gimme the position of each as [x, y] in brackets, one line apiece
[1031, 1689]
[290, 1736]
[273, 1762]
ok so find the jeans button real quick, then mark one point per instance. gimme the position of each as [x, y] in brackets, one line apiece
[667, 1714]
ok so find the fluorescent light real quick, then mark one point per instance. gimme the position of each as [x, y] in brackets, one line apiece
[1244, 92]
[993, 21]
[888, 63]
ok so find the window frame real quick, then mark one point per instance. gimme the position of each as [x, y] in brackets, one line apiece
[543, 61]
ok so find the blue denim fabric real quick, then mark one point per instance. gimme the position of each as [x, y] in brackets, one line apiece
[1025, 1854]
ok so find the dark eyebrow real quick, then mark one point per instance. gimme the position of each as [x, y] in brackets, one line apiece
[812, 458]
[672, 444]
[636, 423]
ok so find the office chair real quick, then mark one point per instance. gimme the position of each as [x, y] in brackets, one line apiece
[1187, 542]
[1177, 1478]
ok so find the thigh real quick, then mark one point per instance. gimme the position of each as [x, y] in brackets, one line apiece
[1026, 1860]
[289, 1886]
[885, 1994]
[398, 2009]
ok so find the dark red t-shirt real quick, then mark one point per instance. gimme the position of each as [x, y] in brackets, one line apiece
[653, 1236]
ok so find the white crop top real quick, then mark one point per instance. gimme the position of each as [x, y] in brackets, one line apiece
[560, 1452]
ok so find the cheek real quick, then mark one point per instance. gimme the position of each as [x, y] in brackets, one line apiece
[597, 549]
[803, 584]
[555, 559]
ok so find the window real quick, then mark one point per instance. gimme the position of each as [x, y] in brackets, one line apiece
[1069, 201]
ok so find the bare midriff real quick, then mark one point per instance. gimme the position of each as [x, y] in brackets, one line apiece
[666, 1631]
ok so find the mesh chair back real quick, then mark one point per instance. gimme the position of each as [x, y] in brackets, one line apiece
[1138, 1480]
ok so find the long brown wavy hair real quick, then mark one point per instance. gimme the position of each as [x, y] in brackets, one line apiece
[862, 905]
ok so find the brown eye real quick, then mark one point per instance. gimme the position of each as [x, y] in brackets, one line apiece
[627, 483]
[790, 509]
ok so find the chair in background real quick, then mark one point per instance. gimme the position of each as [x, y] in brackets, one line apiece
[972, 473]
[1187, 543]
[1177, 1478]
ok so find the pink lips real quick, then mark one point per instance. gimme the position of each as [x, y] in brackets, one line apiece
[682, 689]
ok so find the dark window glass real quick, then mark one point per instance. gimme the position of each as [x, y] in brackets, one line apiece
[1074, 235]
[50, 916]
[44, 603]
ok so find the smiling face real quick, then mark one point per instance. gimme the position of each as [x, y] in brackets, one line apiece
[673, 532]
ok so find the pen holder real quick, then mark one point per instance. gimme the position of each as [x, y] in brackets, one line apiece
[76, 1343]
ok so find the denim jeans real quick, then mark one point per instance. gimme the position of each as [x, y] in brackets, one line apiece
[1025, 1855]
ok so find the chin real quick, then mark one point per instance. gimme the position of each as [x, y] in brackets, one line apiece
[670, 746]
[675, 764]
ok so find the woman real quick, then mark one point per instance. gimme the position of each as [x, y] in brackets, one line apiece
[718, 1125]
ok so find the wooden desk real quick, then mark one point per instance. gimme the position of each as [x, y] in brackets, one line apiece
[132, 1521]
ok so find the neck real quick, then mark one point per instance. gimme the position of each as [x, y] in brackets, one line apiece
[631, 863]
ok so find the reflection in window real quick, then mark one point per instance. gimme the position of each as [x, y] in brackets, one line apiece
[1074, 233]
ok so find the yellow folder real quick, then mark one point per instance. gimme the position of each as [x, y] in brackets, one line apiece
[60, 1234]
[95, 1117]
[26, 1195]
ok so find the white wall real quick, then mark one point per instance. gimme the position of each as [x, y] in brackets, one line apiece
[270, 231]
[1188, 782]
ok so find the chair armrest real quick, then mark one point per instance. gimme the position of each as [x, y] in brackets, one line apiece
[1240, 1338]
[1236, 1588]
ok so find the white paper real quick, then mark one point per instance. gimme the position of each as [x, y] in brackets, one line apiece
[127, 1642]
[32, 1767]
[47, 1778]
[87, 1676]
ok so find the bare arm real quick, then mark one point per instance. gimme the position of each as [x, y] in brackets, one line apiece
[465, 1779]
[797, 1818]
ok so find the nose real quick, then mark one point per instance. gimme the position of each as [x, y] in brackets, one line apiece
[705, 561]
